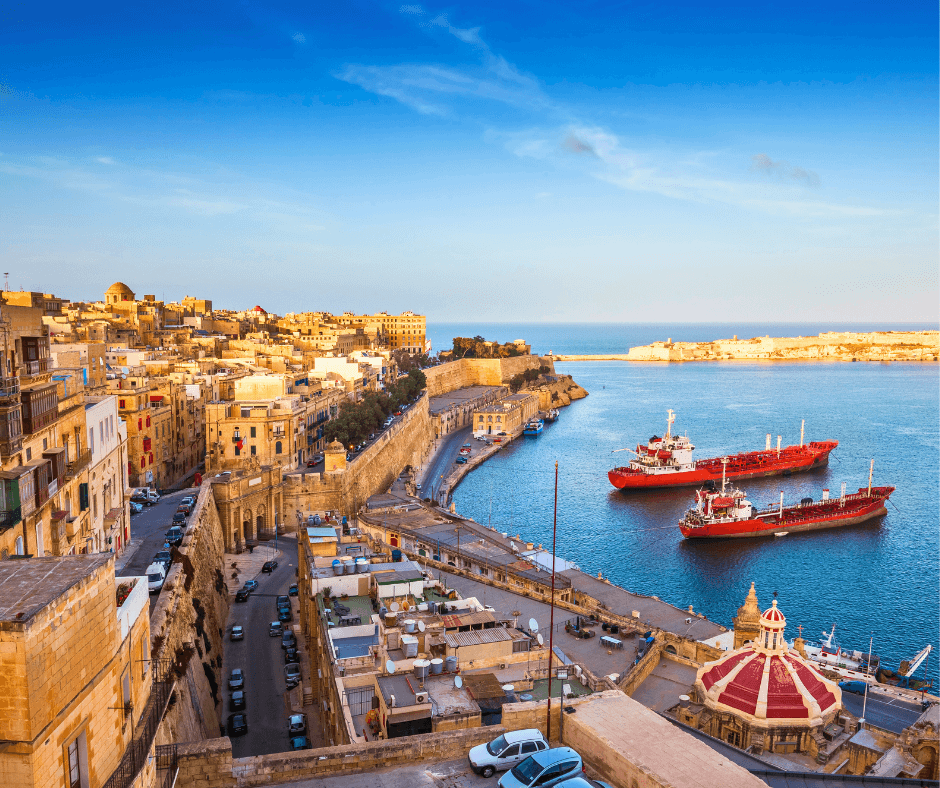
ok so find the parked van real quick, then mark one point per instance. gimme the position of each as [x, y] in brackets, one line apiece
[506, 751]
[156, 575]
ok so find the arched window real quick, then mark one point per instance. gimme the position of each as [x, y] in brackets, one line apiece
[19, 545]
[148, 421]
[277, 447]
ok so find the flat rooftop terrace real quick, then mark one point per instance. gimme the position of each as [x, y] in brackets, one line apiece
[27, 585]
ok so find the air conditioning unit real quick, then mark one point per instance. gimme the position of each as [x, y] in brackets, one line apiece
[421, 697]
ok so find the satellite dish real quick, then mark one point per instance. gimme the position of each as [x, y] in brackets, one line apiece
[533, 625]
[540, 640]
[420, 626]
[389, 666]
[394, 607]
[458, 682]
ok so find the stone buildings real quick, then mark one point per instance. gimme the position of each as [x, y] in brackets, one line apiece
[75, 672]
[507, 415]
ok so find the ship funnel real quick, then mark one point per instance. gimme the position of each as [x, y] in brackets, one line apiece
[825, 495]
[767, 445]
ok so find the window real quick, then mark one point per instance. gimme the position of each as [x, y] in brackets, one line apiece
[143, 462]
[121, 404]
[29, 454]
[151, 458]
[148, 421]
[278, 448]
[94, 506]
[126, 687]
[237, 451]
[19, 550]
[529, 747]
[510, 752]
[45, 444]
[254, 432]
[40, 552]
[77, 763]
[254, 450]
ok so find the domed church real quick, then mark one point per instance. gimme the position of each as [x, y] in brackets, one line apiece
[763, 694]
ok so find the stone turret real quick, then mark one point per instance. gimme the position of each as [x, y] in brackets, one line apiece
[334, 457]
[747, 621]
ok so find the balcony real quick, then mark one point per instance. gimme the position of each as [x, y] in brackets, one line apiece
[11, 518]
[35, 367]
[76, 466]
[9, 387]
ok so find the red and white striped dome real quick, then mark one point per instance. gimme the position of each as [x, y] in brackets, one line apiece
[770, 688]
[773, 618]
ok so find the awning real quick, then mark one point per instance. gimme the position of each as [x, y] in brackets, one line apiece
[114, 514]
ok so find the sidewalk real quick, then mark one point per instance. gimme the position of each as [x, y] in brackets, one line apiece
[247, 566]
[129, 552]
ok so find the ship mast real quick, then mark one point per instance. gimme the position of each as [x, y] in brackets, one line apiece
[724, 468]
[671, 418]
[802, 428]
[871, 470]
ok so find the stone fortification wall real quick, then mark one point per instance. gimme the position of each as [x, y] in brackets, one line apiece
[406, 443]
[558, 393]
[209, 764]
[187, 623]
[466, 372]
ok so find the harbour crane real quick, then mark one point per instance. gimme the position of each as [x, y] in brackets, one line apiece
[904, 675]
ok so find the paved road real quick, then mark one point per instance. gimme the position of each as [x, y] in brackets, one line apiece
[443, 462]
[150, 526]
[892, 714]
[261, 658]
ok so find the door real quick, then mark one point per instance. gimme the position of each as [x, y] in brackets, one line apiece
[508, 757]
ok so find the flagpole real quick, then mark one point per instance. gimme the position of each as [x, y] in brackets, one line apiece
[551, 625]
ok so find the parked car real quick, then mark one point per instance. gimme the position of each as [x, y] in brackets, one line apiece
[156, 576]
[242, 595]
[856, 687]
[136, 508]
[293, 590]
[237, 633]
[284, 615]
[175, 535]
[164, 557]
[281, 600]
[269, 566]
[291, 655]
[461, 460]
[276, 629]
[297, 724]
[288, 639]
[179, 518]
[184, 507]
[236, 700]
[580, 781]
[189, 500]
[543, 769]
[300, 743]
[506, 751]
[292, 674]
[237, 724]
[311, 463]
[250, 585]
[236, 679]
[465, 446]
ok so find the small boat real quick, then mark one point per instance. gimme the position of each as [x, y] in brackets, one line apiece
[667, 462]
[552, 415]
[728, 513]
[533, 427]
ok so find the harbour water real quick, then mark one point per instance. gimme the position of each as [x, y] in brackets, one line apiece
[878, 579]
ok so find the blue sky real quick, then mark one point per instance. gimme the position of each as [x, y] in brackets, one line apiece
[490, 161]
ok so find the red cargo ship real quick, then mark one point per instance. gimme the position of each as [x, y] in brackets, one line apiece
[727, 513]
[667, 462]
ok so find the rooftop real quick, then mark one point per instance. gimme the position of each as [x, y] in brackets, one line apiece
[463, 396]
[27, 585]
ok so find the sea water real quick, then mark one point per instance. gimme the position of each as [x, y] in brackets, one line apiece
[878, 579]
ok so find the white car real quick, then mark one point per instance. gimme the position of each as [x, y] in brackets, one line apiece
[506, 751]
[156, 575]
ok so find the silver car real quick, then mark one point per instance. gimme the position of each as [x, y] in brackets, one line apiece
[543, 769]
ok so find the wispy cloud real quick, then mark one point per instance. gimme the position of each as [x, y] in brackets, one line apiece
[300, 38]
[564, 138]
[783, 170]
[166, 190]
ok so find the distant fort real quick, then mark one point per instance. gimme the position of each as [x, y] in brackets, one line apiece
[828, 346]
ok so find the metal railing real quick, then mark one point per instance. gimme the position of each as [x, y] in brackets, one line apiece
[138, 750]
[168, 764]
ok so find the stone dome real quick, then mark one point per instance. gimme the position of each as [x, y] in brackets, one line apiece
[119, 288]
[336, 446]
[767, 683]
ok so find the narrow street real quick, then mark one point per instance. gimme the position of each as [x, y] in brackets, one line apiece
[148, 530]
[892, 714]
[261, 658]
[442, 463]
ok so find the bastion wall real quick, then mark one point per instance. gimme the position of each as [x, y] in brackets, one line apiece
[187, 624]
[466, 372]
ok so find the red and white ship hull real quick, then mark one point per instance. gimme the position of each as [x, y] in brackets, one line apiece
[719, 515]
